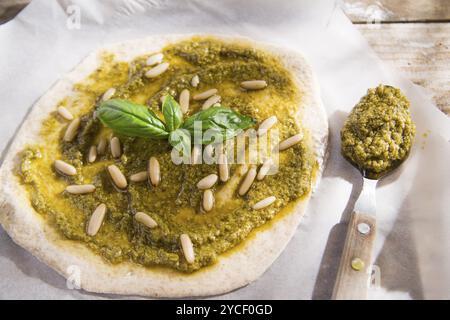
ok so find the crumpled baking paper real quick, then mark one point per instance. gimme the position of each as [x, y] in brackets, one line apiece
[49, 38]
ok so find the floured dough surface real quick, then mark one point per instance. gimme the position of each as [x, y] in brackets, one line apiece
[232, 270]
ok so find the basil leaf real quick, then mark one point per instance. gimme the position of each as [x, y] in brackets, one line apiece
[221, 122]
[131, 119]
[172, 113]
[180, 139]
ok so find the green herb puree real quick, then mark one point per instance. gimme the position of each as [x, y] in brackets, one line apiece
[379, 132]
[174, 204]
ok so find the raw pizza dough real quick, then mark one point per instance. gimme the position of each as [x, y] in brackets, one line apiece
[231, 271]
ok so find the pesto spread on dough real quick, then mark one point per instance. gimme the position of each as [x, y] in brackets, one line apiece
[174, 204]
[379, 132]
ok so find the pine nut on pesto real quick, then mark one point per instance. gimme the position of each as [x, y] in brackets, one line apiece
[117, 177]
[155, 59]
[209, 151]
[72, 130]
[63, 112]
[211, 101]
[145, 219]
[188, 248]
[224, 171]
[254, 84]
[196, 154]
[108, 94]
[116, 149]
[248, 180]
[266, 125]
[264, 203]
[154, 171]
[208, 181]
[195, 81]
[80, 188]
[101, 146]
[158, 70]
[92, 155]
[96, 220]
[291, 141]
[379, 131]
[65, 168]
[264, 169]
[184, 100]
[208, 200]
[139, 177]
[205, 95]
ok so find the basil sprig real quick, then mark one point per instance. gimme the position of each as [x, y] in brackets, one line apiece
[131, 119]
[135, 120]
[221, 122]
[172, 113]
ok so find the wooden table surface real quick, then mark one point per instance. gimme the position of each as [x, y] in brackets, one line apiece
[410, 35]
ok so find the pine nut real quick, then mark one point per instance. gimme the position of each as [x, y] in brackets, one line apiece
[162, 98]
[154, 171]
[224, 172]
[208, 200]
[156, 71]
[289, 142]
[207, 182]
[101, 146]
[92, 154]
[65, 168]
[205, 95]
[116, 150]
[63, 112]
[184, 100]
[108, 94]
[117, 176]
[188, 248]
[139, 177]
[96, 220]
[266, 125]
[145, 219]
[209, 151]
[264, 169]
[195, 81]
[211, 101]
[72, 130]
[253, 84]
[80, 188]
[264, 203]
[155, 59]
[248, 180]
[196, 154]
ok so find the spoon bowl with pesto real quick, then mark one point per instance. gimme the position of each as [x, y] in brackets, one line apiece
[376, 139]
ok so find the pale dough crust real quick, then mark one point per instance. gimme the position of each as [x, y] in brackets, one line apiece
[232, 271]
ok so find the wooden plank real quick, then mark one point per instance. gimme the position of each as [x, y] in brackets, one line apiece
[419, 50]
[359, 11]
[362, 11]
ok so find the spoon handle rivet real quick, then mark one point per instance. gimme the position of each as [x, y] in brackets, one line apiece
[357, 264]
[363, 228]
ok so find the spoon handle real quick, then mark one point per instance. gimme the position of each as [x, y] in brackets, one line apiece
[355, 266]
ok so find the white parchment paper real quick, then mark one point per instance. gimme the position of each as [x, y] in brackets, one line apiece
[413, 243]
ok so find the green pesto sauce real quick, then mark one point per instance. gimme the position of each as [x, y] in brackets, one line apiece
[379, 132]
[175, 203]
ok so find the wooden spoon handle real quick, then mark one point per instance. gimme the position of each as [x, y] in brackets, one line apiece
[354, 269]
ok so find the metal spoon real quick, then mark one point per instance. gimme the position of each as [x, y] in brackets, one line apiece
[355, 269]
